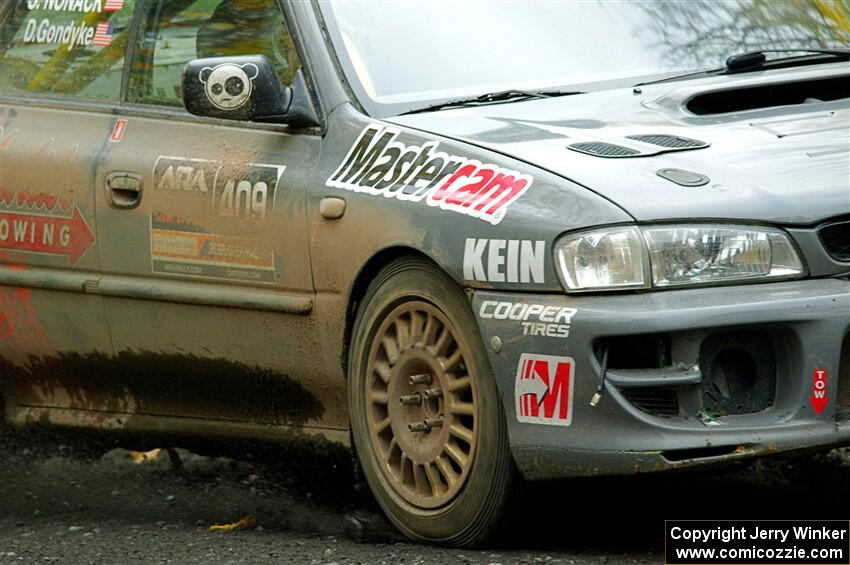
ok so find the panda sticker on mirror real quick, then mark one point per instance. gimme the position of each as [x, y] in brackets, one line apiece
[228, 86]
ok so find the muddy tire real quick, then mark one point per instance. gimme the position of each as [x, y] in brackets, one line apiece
[426, 417]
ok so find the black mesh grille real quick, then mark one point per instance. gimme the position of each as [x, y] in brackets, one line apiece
[601, 149]
[836, 239]
[669, 141]
[656, 401]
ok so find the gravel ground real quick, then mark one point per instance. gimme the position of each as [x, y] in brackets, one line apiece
[60, 505]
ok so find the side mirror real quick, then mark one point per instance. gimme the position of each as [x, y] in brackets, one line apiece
[235, 88]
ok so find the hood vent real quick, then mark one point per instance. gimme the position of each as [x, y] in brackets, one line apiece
[647, 146]
[769, 96]
[669, 141]
[602, 149]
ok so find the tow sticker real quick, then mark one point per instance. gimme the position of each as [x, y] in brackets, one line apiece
[43, 224]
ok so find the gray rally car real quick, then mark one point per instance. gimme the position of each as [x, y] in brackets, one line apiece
[473, 241]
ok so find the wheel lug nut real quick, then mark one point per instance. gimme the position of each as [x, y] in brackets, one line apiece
[423, 379]
[419, 426]
[433, 393]
[425, 425]
[410, 400]
[434, 422]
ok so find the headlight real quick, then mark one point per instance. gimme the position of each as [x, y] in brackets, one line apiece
[620, 257]
[612, 258]
[707, 254]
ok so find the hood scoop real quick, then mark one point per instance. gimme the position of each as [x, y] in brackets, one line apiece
[769, 95]
[647, 145]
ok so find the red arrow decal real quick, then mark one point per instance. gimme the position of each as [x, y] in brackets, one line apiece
[39, 233]
[818, 398]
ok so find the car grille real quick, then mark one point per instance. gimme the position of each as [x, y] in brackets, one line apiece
[656, 401]
[843, 401]
[836, 239]
[601, 149]
[669, 141]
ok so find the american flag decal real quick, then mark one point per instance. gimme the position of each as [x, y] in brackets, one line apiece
[102, 35]
[113, 5]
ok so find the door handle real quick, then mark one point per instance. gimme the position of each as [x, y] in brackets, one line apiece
[125, 189]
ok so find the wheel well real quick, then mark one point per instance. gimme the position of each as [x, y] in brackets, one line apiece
[361, 284]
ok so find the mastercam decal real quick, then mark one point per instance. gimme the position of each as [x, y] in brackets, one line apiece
[43, 224]
[535, 319]
[504, 260]
[543, 391]
[378, 164]
[226, 196]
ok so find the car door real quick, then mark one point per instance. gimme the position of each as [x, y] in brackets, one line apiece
[203, 235]
[60, 81]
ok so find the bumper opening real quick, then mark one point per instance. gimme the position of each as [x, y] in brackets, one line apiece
[696, 375]
[739, 373]
[676, 455]
[843, 401]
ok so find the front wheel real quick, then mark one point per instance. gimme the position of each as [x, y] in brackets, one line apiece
[426, 418]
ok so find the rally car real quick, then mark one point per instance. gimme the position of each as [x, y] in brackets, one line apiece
[475, 242]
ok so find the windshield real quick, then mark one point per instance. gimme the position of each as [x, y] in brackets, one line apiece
[404, 55]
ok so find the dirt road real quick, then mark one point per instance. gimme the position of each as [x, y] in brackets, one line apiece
[57, 505]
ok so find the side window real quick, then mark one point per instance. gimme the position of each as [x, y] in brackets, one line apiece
[177, 31]
[65, 48]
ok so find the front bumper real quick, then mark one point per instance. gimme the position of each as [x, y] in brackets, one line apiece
[694, 376]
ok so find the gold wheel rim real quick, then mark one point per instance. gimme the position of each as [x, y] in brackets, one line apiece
[422, 410]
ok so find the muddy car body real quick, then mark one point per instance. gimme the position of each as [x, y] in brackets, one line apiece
[627, 279]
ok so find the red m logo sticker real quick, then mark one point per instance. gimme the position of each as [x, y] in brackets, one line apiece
[544, 389]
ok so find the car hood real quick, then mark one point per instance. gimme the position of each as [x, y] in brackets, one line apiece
[779, 164]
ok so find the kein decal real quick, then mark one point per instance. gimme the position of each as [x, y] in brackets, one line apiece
[378, 164]
[543, 391]
[536, 319]
[229, 86]
[43, 224]
[504, 260]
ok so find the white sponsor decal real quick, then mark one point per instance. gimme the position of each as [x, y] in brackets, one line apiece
[543, 391]
[244, 192]
[504, 260]
[76, 33]
[71, 5]
[70, 34]
[536, 319]
[378, 164]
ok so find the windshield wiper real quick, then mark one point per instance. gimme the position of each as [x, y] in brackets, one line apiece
[511, 95]
[742, 62]
[754, 59]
